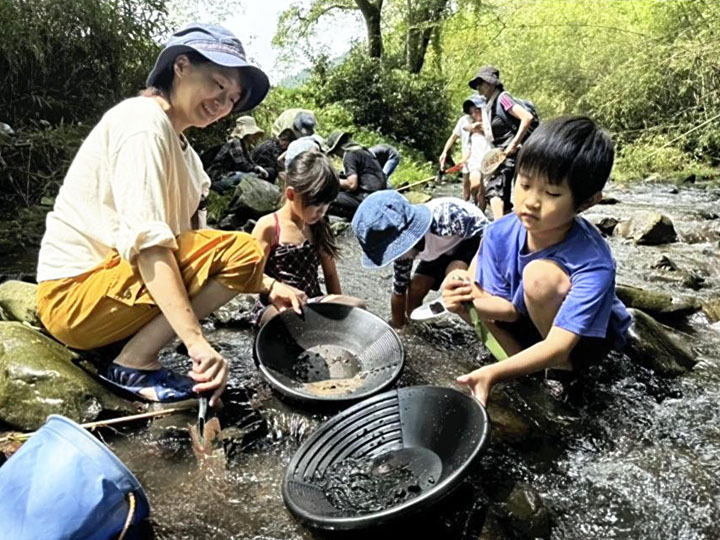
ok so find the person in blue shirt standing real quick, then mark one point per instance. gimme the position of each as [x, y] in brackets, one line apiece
[544, 278]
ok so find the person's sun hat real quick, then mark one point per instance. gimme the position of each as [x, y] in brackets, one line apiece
[312, 142]
[221, 47]
[489, 74]
[304, 123]
[245, 126]
[474, 101]
[388, 226]
[338, 139]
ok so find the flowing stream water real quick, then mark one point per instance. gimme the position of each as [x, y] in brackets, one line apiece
[642, 459]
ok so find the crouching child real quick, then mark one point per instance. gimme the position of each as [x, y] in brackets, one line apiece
[544, 278]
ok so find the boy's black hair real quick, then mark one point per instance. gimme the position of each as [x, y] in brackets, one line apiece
[571, 148]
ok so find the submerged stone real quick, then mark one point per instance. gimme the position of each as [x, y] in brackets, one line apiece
[658, 347]
[647, 228]
[38, 378]
[17, 301]
[526, 513]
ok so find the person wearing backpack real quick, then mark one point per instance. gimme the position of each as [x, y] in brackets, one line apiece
[511, 120]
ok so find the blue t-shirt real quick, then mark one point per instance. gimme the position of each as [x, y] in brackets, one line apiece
[590, 309]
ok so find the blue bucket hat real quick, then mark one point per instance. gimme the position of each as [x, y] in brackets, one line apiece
[221, 47]
[388, 226]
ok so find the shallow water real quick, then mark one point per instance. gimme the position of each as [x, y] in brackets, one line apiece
[641, 460]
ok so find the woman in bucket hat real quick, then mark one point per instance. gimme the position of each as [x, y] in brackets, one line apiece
[124, 255]
[508, 123]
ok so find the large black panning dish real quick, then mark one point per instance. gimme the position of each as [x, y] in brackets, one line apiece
[331, 354]
[385, 457]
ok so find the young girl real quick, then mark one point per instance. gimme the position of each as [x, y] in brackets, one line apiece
[296, 239]
[125, 255]
[478, 146]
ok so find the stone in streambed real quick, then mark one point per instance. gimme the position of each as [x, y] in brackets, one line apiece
[647, 228]
[656, 303]
[658, 347]
[38, 378]
[18, 303]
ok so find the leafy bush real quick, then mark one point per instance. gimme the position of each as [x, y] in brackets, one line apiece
[412, 109]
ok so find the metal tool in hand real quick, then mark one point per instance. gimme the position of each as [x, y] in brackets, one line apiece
[202, 417]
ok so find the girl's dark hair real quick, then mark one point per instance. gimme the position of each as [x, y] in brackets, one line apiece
[313, 177]
[163, 82]
[569, 148]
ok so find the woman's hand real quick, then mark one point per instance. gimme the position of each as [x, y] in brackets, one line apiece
[480, 383]
[209, 369]
[442, 160]
[456, 290]
[286, 297]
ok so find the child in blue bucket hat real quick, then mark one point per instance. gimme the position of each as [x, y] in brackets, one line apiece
[443, 233]
[126, 257]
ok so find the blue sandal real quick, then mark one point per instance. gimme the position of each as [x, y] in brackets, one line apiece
[168, 385]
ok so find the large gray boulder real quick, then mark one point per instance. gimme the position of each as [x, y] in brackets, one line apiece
[17, 302]
[254, 198]
[647, 228]
[656, 303]
[658, 347]
[38, 378]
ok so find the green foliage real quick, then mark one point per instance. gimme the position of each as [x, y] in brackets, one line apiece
[412, 109]
[63, 63]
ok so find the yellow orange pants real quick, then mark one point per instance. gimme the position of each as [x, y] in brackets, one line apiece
[110, 302]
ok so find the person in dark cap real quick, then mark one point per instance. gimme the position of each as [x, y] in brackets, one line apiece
[363, 174]
[126, 258]
[509, 121]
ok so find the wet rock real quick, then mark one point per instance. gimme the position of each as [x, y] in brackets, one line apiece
[658, 347]
[673, 191]
[647, 228]
[665, 263]
[655, 303]
[690, 179]
[38, 378]
[417, 197]
[339, 227]
[609, 200]
[508, 426]
[711, 308]
[704, 214]
[692, 280]
[606, 224]
[526, 514]
[17, 300]
[237, 312]
[253, 198]
[701, 233]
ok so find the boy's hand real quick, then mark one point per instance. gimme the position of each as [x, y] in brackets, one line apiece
[480, 383]
[456, 290]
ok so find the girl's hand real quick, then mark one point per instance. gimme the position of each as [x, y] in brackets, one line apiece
[209, 369]
[285, 297]
[480, 383]
[456, 290]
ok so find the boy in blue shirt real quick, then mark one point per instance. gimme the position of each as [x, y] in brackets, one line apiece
[544, 278]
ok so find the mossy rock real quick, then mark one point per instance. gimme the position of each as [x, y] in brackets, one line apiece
[18, 303]
[656, 303]
[38, 378]
[658, 347]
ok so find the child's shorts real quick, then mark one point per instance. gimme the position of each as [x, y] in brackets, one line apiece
[110, 302]
[465, 251]
[588, 351]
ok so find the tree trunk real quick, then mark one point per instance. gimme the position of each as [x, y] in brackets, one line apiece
[422, 16]
[371, 14]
